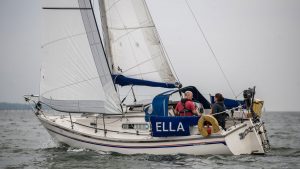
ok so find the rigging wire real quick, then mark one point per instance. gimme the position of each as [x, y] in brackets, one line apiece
[131, 88]
[210, 48]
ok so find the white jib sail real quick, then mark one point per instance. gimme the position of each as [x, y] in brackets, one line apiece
[75, 76]
[134, 43]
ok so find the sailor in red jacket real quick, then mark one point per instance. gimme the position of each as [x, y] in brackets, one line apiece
[186, 107]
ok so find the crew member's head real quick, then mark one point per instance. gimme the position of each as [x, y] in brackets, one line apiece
[219, 97]
[188, 95]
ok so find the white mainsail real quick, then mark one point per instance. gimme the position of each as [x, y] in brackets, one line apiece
[75, 76]
[135, 47]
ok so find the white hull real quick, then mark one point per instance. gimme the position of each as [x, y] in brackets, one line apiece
[188, 145]
[79, 137]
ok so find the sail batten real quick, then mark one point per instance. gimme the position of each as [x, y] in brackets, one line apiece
[75, 76]
[129, 28]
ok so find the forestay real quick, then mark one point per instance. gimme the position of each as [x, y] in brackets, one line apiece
[134, 43]
[75, 76]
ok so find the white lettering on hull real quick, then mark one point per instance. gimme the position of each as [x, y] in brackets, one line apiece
[170, 127]
[180, 127]
[158, 126]
[161, 127]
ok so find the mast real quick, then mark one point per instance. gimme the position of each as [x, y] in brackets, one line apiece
[106, 40]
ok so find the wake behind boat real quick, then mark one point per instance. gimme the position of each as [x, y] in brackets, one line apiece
[82, 77]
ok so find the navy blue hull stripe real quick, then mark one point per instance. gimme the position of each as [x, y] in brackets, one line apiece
[141, 147]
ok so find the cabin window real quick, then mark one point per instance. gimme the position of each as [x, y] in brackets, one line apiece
[135, 126]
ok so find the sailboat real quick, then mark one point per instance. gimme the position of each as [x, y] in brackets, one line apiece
[84, 71]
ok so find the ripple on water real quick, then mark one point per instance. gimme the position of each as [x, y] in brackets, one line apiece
[28, 145]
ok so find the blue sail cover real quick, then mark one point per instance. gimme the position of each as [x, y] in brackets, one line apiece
[229, 103]
[125, 81]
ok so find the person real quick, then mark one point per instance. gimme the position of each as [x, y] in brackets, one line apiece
[218, 107]
[186, 106]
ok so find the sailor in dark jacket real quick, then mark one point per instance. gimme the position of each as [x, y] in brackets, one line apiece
[218, 107]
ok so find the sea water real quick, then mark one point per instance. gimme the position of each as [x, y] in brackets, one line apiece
[24, 143]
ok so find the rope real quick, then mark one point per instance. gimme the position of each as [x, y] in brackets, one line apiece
[126, 95]
[210, 48]
[227, 110]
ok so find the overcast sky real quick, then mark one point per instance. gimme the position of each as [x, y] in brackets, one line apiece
[256, 42]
